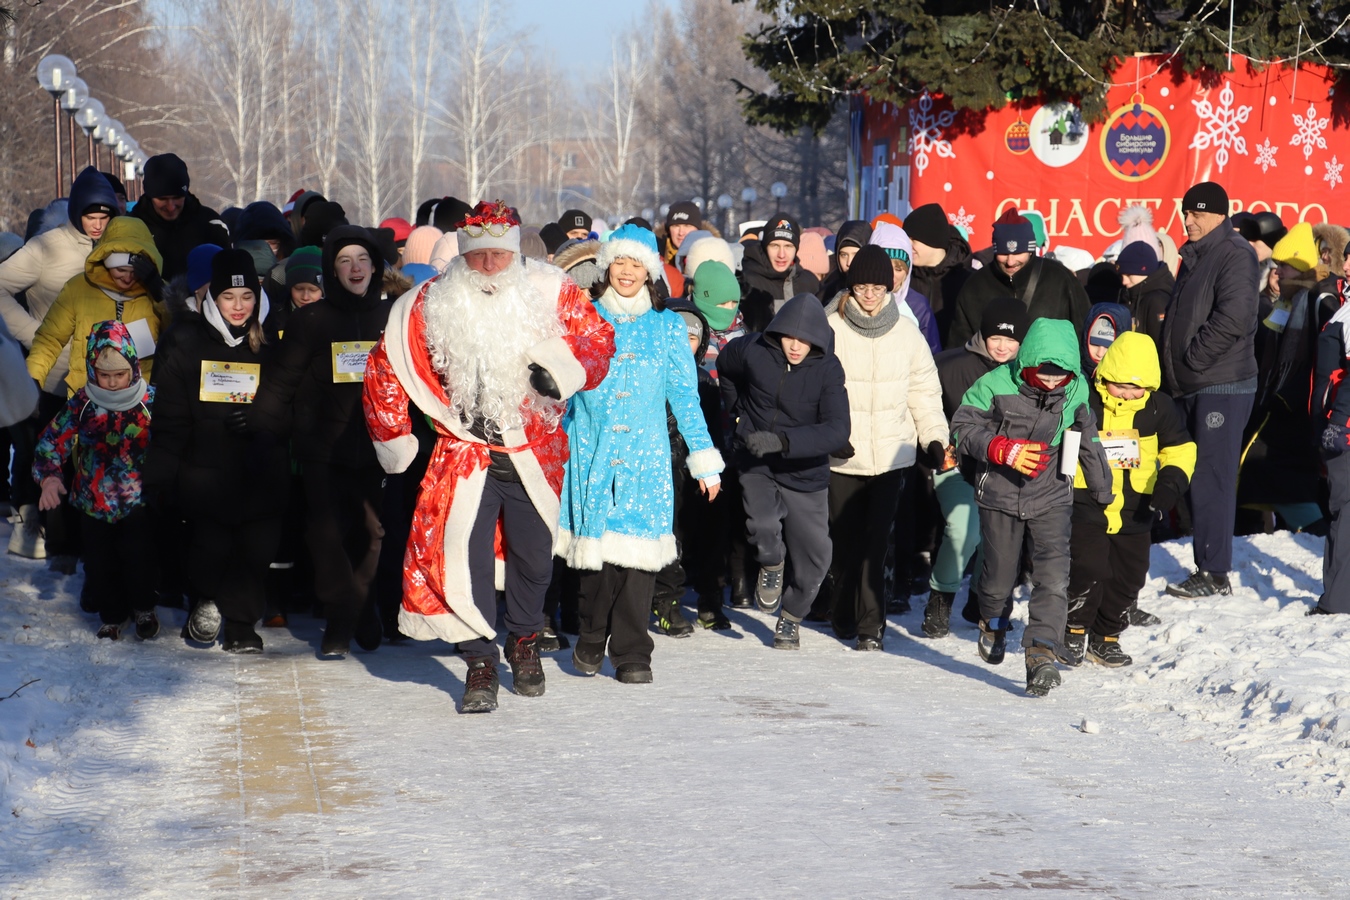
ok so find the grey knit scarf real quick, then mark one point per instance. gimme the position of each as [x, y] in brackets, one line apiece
[868, 326]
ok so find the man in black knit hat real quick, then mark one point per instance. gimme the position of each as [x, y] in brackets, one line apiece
[177, 220]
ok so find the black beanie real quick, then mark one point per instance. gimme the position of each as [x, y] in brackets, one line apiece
[321, 217]
[424, 212]
[165, 176]
[781, 228]
[450, 211]
[553, 236]
[1006, 317]
[1207, 196]
[233, 269]
[928, 224]
[118, 187]
[871, 265]
[573, 219]
[686, 212]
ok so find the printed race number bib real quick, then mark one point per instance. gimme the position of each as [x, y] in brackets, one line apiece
[1122, 448]
[349, 360]
[227, 382]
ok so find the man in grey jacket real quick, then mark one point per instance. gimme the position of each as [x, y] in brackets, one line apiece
[1209, 366]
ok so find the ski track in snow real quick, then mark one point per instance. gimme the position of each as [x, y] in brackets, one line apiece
[156, 769]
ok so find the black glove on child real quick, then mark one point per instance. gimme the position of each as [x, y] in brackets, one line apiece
[543, 382]
[935, 455]
[1165, 496]
[762, 443]
[236, 422]
[845, 452]
[147, 276]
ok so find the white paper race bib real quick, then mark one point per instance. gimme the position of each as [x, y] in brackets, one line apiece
[141, 337]
[228, 382]
[1122, 448]
[349, 360]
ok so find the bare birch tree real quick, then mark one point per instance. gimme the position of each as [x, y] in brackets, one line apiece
[613, 128]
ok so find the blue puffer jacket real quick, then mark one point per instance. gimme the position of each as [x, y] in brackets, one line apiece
[618, 497]
[806, 405]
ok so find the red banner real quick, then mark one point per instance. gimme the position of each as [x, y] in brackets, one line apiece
[1266, 136]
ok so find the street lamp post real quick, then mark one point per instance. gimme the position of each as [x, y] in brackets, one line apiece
[55, 73]
[779, 191]
[724, 203]
[112, 133]
[72, 100]
[748, 197]
[89, 117]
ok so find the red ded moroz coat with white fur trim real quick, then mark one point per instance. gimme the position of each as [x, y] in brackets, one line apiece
[437, 595]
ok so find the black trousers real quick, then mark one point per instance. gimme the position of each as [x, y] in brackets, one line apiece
[1106, 573]
[529, 562]
[862, 509]
[115, 585]
[229, 563]
[616, 602]
[344, 535]
[1216, 421]
[700, 539]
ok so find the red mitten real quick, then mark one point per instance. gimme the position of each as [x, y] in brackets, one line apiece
[1027, 457]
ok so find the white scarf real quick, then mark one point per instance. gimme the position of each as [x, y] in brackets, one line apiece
[620, 305]
[212, 314]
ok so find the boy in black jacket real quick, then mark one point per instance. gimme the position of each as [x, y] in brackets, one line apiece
[784, 389]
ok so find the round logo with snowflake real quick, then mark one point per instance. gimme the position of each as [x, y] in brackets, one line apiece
[1214, 420]
[1135, 141]
[1058, 134]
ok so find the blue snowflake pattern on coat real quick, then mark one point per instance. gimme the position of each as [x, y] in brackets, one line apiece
[108, 447]
[618, 497]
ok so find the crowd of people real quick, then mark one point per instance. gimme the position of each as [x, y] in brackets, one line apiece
[447, 428]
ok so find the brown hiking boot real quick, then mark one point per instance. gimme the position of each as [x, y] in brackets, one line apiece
[1041, 672]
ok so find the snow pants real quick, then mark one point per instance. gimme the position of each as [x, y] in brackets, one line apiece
[117, 581]
[1216, 421]
[529, 563]
[793, 526]
[1335, 562]
[1105, 576]
[616, 602]
[960, 533]
[344, 535]
[862, 509]
[1001, 537]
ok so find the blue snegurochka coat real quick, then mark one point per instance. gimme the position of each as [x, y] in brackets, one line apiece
[618, 498]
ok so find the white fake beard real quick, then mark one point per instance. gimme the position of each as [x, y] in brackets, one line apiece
[479, 328]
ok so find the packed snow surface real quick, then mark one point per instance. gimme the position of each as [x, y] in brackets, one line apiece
[1218, 767]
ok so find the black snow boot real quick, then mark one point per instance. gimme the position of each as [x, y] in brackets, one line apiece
[527, 673]
[588, 656]
[740, 592]
[480, 686]
[714, 620]
[1074, 646]
[670, 619]
[1041, 672]
[147, 624]
[993, 643]
[1136, 616]
[633, 673]
[241, 638]
[1105, 650]
[937, 617]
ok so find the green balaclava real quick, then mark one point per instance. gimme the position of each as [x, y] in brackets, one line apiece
[715, 284]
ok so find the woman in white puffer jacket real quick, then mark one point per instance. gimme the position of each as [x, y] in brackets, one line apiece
[895, 402]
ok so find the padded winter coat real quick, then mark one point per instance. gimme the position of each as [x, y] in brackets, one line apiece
[1002, 404]
[1210, 330]
[1058, 295]
[761, 286]
[106, 448]
[1147, 303]
[618, 501]
[83, 303]
[894, 396]
[195, 225]
[806, 405]
[1166, 451]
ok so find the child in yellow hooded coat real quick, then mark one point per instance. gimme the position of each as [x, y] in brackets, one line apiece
[1152, 458]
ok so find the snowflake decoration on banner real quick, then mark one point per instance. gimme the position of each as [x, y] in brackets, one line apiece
[1309, 132]
[1333, 176]
[927, 132]
[960, 219]
[1222, 126]
[1265, 155]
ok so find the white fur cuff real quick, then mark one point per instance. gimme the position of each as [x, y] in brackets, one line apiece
[704, 463]
[555, 356]
[395, 456]
[644, 554]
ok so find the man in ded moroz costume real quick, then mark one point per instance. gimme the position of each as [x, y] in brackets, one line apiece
[490, 351]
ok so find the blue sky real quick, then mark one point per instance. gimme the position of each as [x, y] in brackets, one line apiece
[578, 30]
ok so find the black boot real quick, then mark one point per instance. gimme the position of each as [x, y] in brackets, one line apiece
[369, 631]
[1074, 646]
[670, 619]
[993, 643]
[937, 617]
[588, 656]
[1136, 616]
[241, 638]
[527, 673]
[740, 591]
[1041, 672]
[1105, 650]
[480, 686]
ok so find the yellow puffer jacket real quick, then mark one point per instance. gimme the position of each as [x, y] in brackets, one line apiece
[83, 303]
[1166, 451]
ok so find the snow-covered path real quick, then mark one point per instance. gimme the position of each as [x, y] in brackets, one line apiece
[155, 769]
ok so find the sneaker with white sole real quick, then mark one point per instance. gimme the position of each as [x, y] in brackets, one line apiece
[769, 588]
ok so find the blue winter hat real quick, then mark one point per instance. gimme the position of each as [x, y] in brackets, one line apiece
[1138, 258]
[632, 242]
[199, 265]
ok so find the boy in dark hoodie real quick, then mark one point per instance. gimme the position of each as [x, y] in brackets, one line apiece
[1105, 323]
[784, 390]
[104, 432]
[1013, 422]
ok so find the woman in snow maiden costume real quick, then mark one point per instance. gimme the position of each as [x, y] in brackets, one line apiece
[103, 432]
[1012, 422]
[618, 494]
[491, 351]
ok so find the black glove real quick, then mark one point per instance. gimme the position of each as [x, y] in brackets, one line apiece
[936, 455]
[147, 276]
[761, 443]
[236, 422]
[1165, 496]
[543, 382]
[258, 453]
[844, 452]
